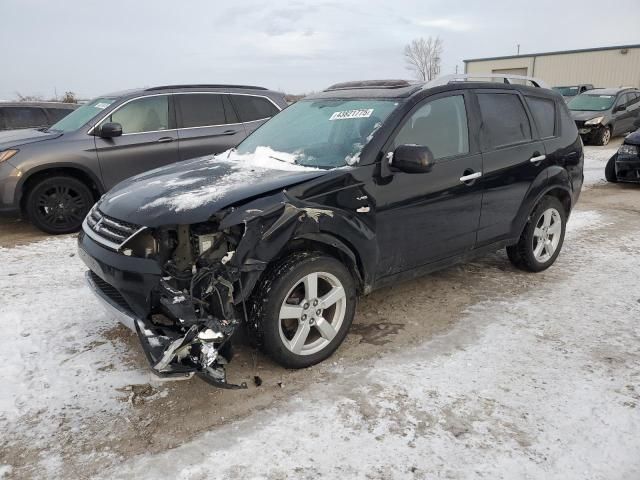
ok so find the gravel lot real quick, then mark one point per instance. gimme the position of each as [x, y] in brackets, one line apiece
[478, 371]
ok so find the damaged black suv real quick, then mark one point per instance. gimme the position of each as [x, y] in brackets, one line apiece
[346, 191]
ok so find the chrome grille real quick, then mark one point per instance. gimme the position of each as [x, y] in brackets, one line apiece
[108, 231]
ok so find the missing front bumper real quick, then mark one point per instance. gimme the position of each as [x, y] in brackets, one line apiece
[164, 347]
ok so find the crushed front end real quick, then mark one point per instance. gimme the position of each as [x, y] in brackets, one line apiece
[173, 285]
[183, 288]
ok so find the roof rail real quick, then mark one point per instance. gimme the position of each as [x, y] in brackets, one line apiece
[369, 84]
[203, 85]
[462, 77]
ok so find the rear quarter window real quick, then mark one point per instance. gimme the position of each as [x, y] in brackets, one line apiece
[544, 114]
[504, 120]
[252, 108]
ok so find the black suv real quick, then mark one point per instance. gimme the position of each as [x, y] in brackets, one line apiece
[16, 115]
[53, 176]
[346, 191]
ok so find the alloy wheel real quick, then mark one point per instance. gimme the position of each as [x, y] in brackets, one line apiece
[546, 235]
[312, 313]
[61, 206]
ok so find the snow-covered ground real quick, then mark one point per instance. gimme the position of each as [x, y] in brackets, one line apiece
[544, 385]
[595, 159]
[541, 384]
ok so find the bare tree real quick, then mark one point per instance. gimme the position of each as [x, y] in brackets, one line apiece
[69, 97]
[424, 57]
[28, 98]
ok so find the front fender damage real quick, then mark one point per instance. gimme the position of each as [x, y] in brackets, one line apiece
[208, 276]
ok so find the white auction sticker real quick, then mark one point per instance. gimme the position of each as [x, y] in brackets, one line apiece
[343, 115]
[102, 106]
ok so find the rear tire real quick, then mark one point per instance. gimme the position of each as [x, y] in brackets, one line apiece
[294, 321]
[603, 136]
[610, 170]
[58, 204]
[542, 237]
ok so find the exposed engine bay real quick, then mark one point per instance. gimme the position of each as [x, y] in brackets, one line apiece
[208, 271]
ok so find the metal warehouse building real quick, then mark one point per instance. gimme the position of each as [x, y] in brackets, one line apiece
[603, 67]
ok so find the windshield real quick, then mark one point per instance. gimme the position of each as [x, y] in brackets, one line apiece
[567, 91]
[591, 102]
[319, 133]
[82, 115]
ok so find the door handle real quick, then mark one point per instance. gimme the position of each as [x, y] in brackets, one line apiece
[470, 177]
[228, 132]
[537, 158]
[165, 140]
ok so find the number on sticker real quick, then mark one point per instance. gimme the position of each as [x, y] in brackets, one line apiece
[345, 114]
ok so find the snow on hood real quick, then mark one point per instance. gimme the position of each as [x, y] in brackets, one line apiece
[192, 191]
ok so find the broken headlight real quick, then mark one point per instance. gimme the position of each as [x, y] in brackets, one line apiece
[142, 245]
[628, 150]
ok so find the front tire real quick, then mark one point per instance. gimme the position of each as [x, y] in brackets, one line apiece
[610, 170]
[58, 204]
[302, 310]
[542, 237]
[603, 136]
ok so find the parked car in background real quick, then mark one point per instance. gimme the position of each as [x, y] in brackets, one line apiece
[14, 115]
[570, 91]
[53, 176]
[360, 186]
[603, 113]
[624, 165]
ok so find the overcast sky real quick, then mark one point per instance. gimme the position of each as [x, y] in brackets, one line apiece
[92, 47]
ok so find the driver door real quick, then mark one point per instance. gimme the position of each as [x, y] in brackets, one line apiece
[149, 139]
[426, 217]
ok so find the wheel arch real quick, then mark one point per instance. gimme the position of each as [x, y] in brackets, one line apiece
[72, 170]
[555, 183]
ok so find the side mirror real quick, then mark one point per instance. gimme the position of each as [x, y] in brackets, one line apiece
[412, 158]
[619, 108]
[110, 130]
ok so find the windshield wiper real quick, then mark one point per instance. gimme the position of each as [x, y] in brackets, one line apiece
[281, 160]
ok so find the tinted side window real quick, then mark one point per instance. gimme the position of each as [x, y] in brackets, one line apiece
[56, 114]
[229, 111]
[441, 125]
[544, 114]
[3, 122]
[504, 119]
[25, 117]
[200, 110]
[253, 108]
[148, 114]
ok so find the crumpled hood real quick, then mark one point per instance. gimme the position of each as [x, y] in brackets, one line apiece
[192, 191]
[586, 115]
[15, 138]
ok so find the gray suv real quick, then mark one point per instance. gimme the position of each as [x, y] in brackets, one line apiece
[53, 176]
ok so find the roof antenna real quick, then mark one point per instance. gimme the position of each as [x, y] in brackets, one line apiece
[518, 49]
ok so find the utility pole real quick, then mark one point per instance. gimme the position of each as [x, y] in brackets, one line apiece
[456, 68]
[518, 49]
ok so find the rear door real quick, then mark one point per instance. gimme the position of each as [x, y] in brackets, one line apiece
[149, 138]
[207, 124]
[425, 217]
[512, 158]
[253, 110]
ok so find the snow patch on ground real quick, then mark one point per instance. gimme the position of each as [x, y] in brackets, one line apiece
[595, 159]
[56, 357]
[544, 385]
